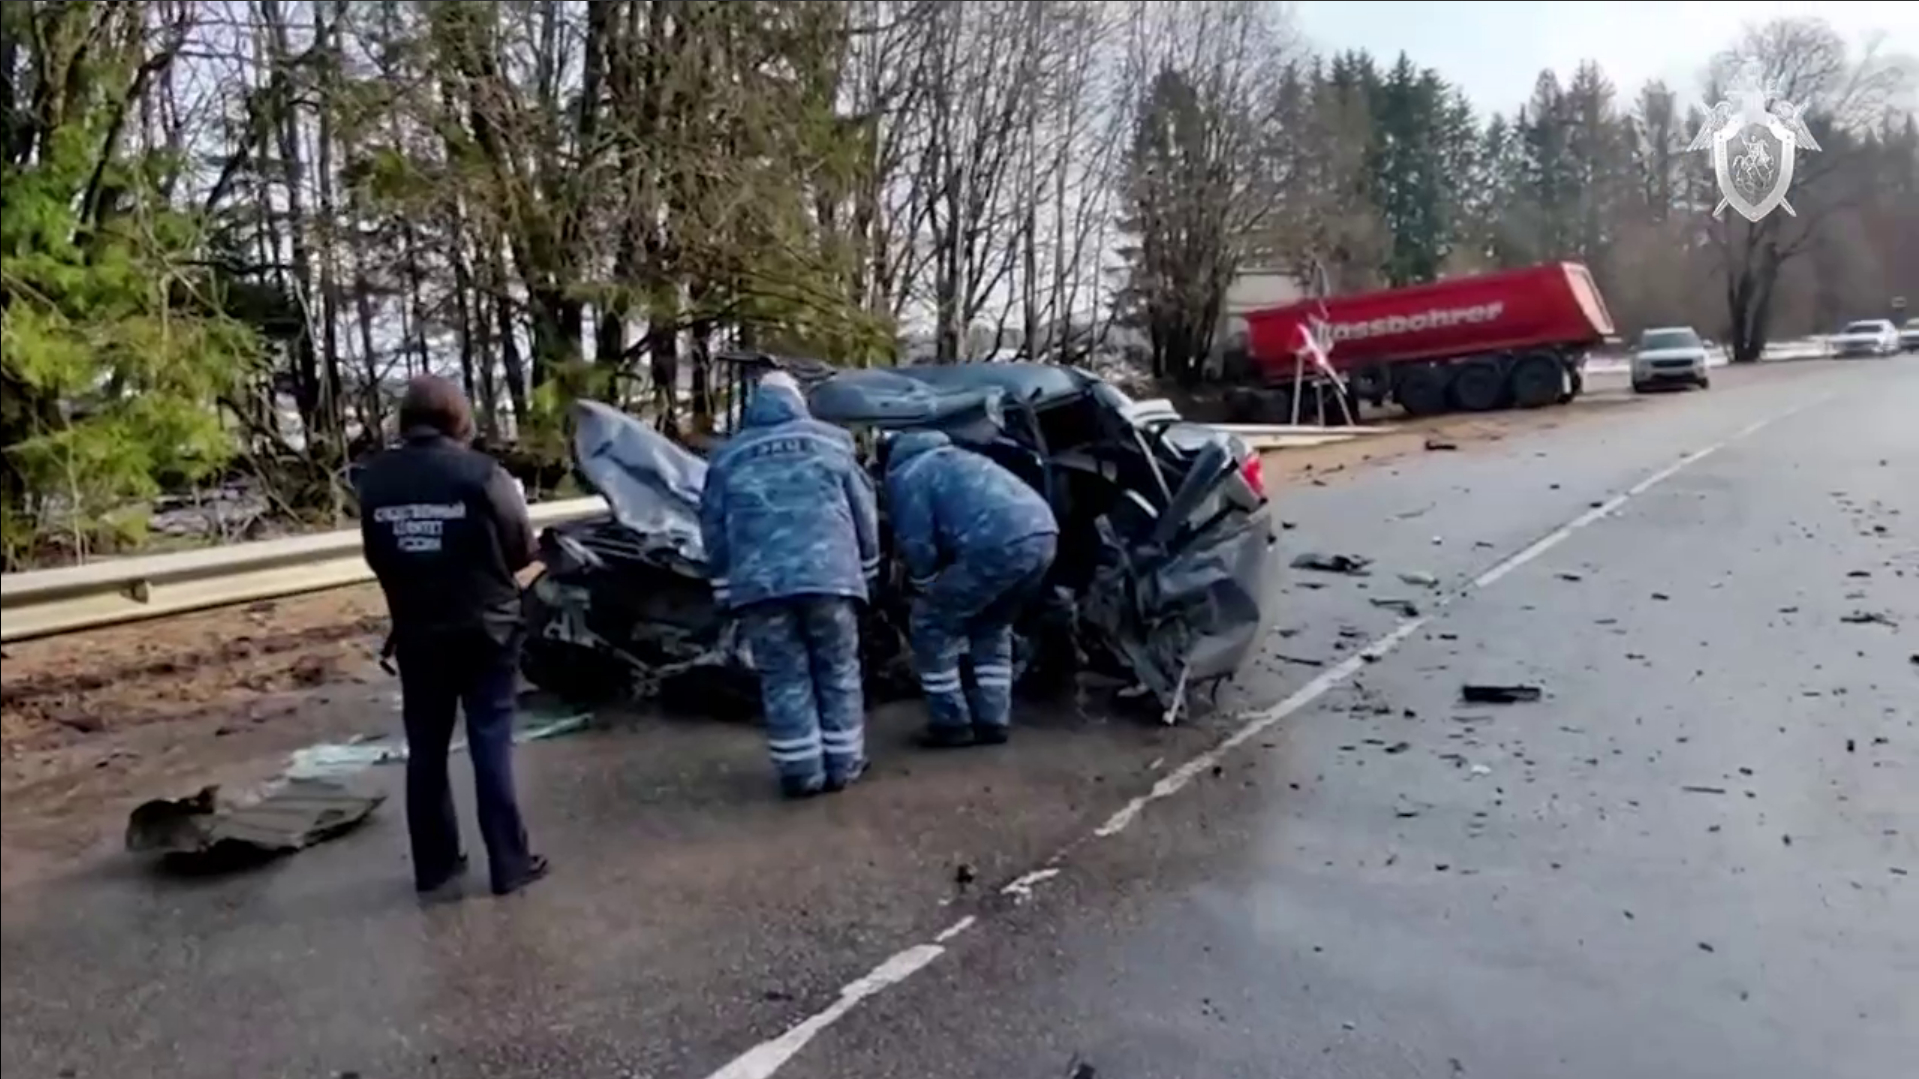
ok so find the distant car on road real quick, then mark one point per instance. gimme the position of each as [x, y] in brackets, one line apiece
[1866, 337]
[1669, 356]
[1909, 337]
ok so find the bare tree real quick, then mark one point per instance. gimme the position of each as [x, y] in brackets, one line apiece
[1201, 185]
[1803, 61]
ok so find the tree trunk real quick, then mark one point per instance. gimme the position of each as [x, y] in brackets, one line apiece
[663, 346]
[512, 367]
[326, 44]
[308, 395]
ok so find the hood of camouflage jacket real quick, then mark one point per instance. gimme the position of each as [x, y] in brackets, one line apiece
[776, 401]
[911, 444]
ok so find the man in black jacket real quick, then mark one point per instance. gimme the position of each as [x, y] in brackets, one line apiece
[445, 529]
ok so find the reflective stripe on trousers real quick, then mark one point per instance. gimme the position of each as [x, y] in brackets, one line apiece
[807, 652]
[971, 606]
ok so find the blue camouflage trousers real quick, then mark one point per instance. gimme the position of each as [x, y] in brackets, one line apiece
[968, 613]
[807, 652]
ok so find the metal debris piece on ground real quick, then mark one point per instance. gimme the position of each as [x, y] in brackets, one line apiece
[1350, 564]
[1420, 578]
[297, 815]
[1436, 443]
[289, 815]
[1404, 607]
[1486, 694]
[1868, 618]
[1171, 714]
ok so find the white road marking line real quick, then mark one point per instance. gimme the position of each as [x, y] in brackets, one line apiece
[1021, 888]
[955, 929]
[767, 1058]
[1257, 723]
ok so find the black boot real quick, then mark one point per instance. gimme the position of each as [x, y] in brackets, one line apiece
[990, 734]
[448, 885]
[942, 737]
[795, 788]
[837, 783]
[536, 869]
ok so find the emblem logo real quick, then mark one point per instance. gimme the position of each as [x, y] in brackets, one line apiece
[1753, 150]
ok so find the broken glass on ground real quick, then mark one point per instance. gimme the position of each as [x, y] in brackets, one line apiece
[336, 759]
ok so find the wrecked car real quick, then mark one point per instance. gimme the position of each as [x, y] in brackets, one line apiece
[1162, 577]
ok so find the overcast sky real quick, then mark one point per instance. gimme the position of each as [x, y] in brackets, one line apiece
[1495, 49]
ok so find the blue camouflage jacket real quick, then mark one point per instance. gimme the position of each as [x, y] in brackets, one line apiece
[787, 510]
[948, 504]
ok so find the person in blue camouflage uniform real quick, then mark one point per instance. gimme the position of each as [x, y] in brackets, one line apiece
[976, 542]
[792, 545]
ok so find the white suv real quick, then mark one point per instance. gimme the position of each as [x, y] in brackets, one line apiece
[1669, 356]
[1867, 337]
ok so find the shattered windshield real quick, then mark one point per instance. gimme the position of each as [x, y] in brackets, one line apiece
[1655, 340]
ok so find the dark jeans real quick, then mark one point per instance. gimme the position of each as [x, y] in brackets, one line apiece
[437, 676]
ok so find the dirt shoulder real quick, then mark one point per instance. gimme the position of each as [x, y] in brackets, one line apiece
[94, 723]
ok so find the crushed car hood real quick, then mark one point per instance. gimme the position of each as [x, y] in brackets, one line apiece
[651, 483]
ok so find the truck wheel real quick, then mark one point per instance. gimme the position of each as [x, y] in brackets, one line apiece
[1276, 405]
[1537, 381]
[1421, 390]
[1242, 405]
[1477, 387]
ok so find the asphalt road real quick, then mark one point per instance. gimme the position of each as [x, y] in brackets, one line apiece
[1693, 857]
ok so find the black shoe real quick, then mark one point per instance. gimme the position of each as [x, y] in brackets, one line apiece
[946, 738]
[536, 868]
[989, 734]
[445, 886]
[798, 789]
[838, 783]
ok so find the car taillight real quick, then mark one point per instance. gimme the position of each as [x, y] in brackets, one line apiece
[1254, 474]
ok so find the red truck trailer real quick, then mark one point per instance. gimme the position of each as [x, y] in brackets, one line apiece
[1500, 340]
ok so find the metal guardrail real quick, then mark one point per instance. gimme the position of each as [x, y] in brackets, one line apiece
[43, 603]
